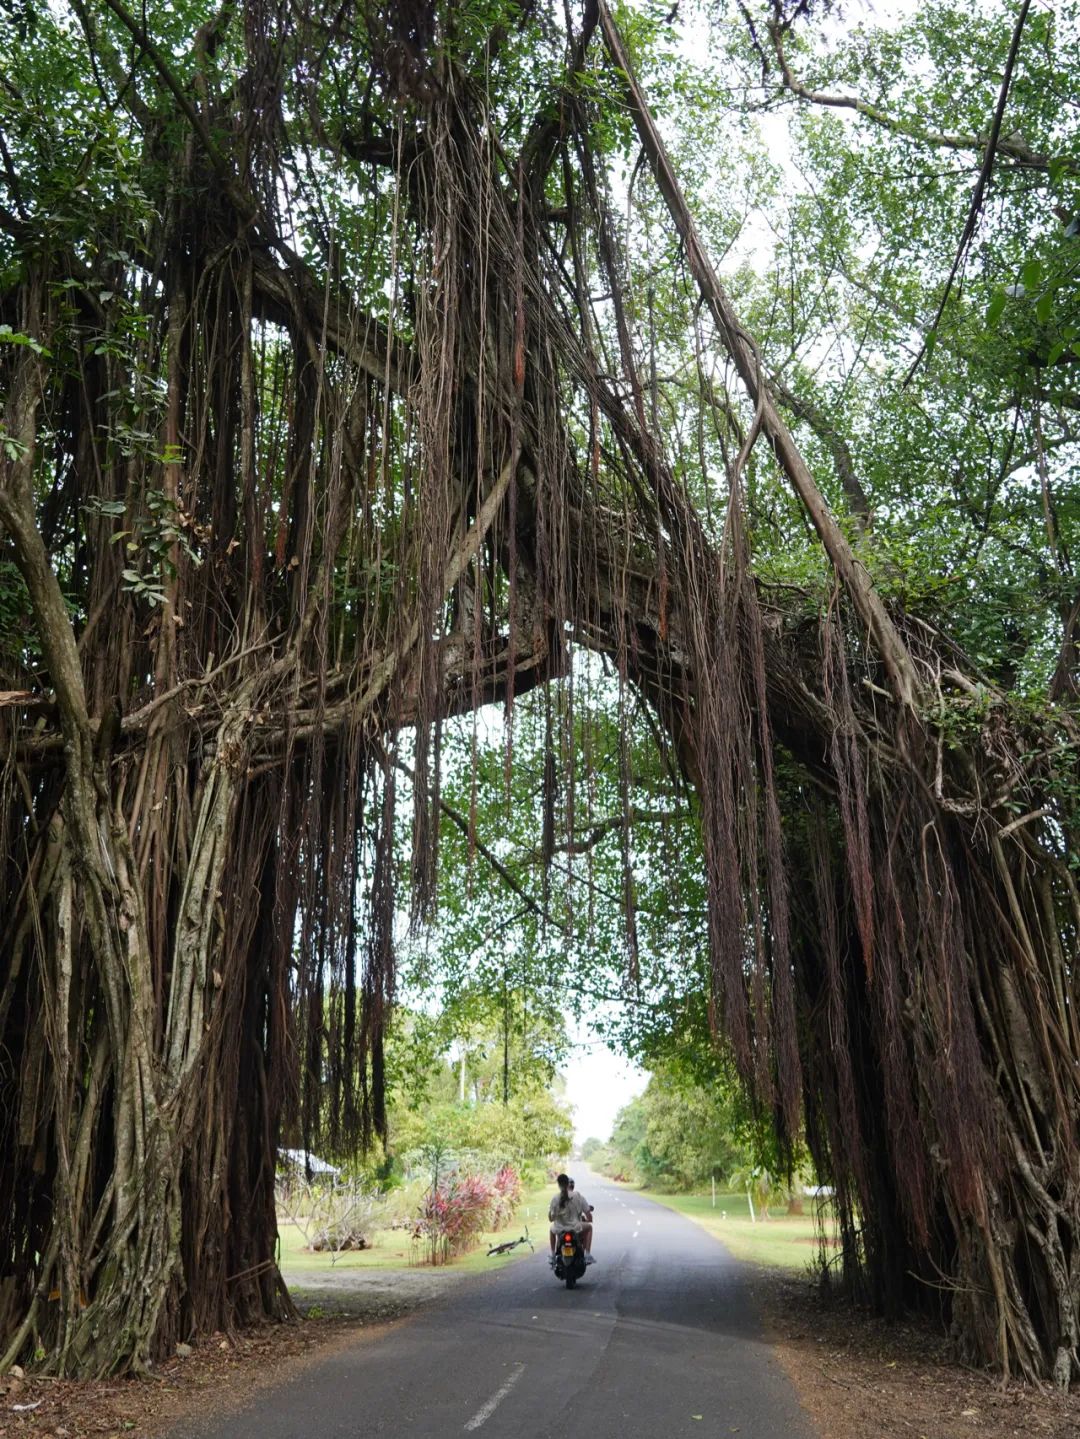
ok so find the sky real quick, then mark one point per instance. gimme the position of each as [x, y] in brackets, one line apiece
[598, 1084]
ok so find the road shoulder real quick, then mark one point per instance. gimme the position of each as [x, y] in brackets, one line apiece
[858, 1375]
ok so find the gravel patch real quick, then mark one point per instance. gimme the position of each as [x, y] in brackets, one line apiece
[368, 1293]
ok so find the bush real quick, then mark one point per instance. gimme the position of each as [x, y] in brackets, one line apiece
[340, 1236]
[454, 1212]
[350, 1218]
[334, 1218]
[459, 1207]
[506, 1195]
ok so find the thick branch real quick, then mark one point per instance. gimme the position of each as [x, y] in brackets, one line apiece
[17, 517]
[455, 567]
[220, 161]
[740, 346]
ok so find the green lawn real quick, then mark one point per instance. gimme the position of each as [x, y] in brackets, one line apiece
[531, 1213]
[788, 1242]
[392, 1249]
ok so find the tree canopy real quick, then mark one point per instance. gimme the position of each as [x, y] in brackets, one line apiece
[696, 386]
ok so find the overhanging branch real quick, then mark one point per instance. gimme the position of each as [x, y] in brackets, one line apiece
[851, 572]
[1012, 146]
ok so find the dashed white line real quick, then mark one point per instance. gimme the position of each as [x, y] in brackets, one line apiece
[484, 1413]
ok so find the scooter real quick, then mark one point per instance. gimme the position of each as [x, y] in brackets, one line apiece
[569, 1257]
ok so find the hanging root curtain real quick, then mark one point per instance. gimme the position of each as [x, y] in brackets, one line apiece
[286, 472]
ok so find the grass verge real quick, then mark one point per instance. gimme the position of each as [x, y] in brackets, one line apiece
[784, 1241]
[393, 1248]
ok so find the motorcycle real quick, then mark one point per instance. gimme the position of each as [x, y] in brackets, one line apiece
[569, 1257]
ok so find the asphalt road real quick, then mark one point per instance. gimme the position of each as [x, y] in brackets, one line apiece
[658, 1339]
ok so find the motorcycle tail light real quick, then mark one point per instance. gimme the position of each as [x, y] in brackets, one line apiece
[568, 1238]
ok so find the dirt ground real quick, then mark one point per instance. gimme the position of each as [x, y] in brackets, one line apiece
[860, 1378]
[216, 1374]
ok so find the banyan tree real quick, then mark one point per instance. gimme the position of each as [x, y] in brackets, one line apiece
[334, 406]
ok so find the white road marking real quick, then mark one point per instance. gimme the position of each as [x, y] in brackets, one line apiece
[484, 1413]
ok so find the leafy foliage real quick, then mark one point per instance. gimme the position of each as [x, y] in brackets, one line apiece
[374, 311]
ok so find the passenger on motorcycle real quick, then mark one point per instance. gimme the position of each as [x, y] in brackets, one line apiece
[588, 1206]
[569, 1211]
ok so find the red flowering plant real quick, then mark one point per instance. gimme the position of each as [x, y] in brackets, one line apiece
[460, 1204]
[506, 1195]
[455, 1210]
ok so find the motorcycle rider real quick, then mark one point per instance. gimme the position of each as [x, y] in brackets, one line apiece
[569, 1211]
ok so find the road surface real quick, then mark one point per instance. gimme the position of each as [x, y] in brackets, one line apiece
[658, 1339]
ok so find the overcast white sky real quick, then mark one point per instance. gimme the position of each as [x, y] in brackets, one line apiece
[598, 1084]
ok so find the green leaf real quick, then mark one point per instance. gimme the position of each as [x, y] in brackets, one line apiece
[996, 307]
[1045, 308]
[1032, 275]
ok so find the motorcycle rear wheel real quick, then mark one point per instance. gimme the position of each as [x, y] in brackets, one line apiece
[571, 1280]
